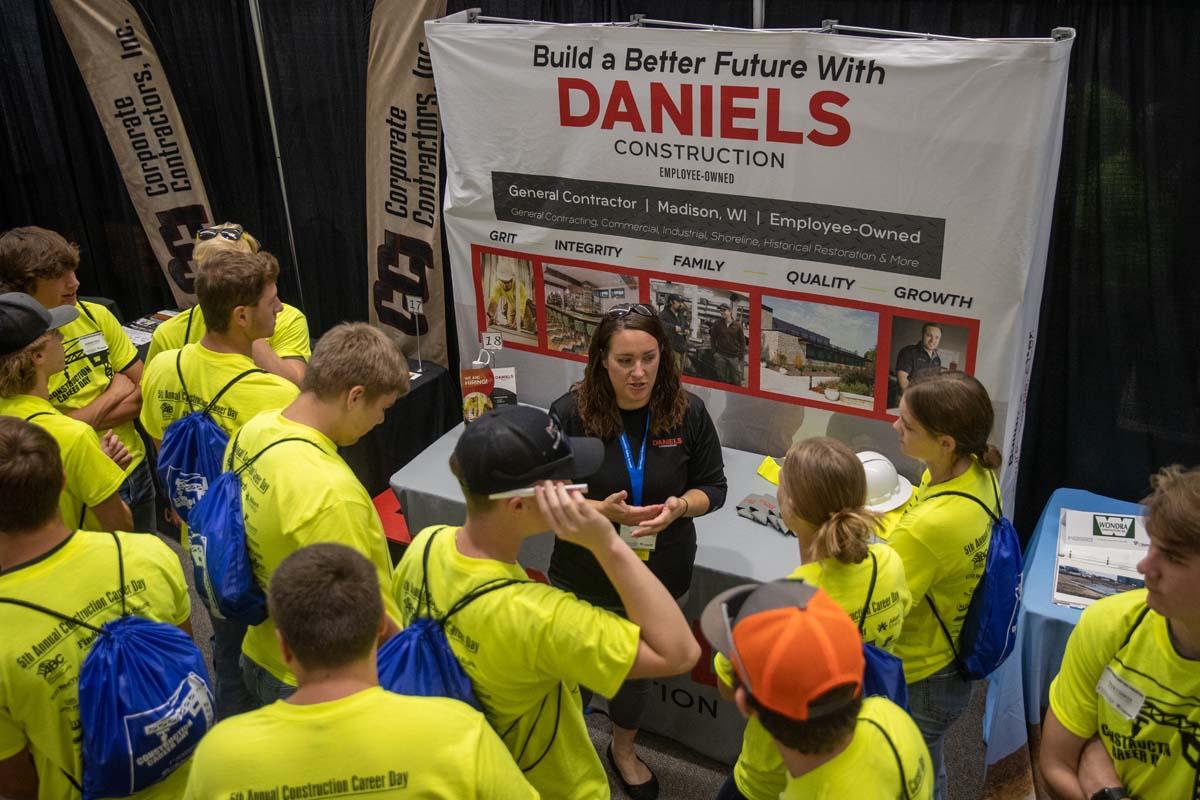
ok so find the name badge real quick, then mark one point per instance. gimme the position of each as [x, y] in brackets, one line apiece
[642, 545]
[93, 343]
[1119, 694]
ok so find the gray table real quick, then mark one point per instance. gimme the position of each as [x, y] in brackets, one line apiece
[731, 550]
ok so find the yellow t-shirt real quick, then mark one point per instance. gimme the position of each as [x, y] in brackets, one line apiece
[95, 347]
[526, 648]
[1091, 695]
[206, 372]
[869, 767]
[92, 477]
[759, 772]
[294, 495]
[372, 744]
[40, 662]
[290, 340]
[943, 542]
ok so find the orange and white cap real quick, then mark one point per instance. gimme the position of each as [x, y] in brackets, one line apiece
[791, 645]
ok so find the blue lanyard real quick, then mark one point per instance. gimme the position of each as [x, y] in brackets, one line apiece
[637, 472]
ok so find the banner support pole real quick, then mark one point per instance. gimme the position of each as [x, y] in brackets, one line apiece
[256, 22]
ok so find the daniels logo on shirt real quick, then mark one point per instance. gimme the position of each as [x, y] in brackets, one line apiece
[670, 441]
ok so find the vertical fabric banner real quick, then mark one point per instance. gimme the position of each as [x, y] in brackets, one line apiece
[404, 215]
[125, 78]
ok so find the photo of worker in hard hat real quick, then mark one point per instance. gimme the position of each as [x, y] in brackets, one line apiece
[507, 285]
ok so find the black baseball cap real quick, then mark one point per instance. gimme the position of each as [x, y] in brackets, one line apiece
[23, 319]
[511, 447]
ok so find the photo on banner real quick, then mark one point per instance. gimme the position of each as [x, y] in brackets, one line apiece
[693, 315]
[818, 352]
[576, 300]
[505, 285]
[924, 345]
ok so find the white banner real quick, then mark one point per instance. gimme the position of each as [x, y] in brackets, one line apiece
[134, 102]
[404, 251]
[867, 208]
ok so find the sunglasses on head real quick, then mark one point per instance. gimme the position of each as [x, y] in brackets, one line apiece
[616, 312]
[233, 234]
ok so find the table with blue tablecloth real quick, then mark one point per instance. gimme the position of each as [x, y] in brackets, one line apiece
[1018, 692]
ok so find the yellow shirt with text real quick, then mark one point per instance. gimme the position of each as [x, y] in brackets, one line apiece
[205, 373]
[943, 542]
[294, 495]
[92, 477]
[371, 744]
[759, 772]
[40, 662]
[290, 340]
[526, 648]
[886, 756]
[96, 347]
[1141, 698]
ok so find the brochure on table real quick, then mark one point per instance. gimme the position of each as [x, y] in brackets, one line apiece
[1097, 556]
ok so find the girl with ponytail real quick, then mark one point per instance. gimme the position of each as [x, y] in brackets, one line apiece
[945, 420]
[822, 488]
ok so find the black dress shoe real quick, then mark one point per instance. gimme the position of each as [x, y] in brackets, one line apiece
[637, 791]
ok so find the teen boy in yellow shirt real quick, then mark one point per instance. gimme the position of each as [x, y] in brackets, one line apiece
[528, 647]
[1124, 718]
[74, 572]
[31, 350]
[798, 662]
[283, 353]
[340, 734]
[238, 292]
[302, 492]
[98, 382]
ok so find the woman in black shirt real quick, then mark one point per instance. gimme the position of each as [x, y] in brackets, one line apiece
[662, 467]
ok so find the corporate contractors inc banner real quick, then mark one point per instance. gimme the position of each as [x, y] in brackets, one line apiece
[867, 209]
[404, 214]
[134, 102]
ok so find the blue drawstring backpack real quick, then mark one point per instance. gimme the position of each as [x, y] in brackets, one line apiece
[189, 457]
[217, 540]
[418, 660]
[989, 631]
[144, 700]
[883, 673]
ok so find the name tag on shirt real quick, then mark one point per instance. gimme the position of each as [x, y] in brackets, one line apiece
[642, 545]
[1119, 694]
[93, 343]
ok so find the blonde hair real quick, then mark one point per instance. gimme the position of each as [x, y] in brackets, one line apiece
[201, 250]
[1173, 510]
[18, 371]
[356, 354]
[824, 483]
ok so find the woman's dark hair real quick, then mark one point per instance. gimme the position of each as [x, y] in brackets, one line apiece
[957, 405]
[596, 399]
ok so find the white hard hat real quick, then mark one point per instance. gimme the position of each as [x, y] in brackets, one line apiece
[886, 488]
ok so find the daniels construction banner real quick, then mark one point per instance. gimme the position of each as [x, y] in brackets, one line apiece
[403, 160]
[817, 218]
[144, 129]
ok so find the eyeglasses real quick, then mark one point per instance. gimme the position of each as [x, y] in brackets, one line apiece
[233, 234]
[616, 312]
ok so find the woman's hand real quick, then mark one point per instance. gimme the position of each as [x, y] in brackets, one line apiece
[617, 510]
[672, 510]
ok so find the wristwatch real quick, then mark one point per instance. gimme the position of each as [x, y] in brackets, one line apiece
[1111, 793]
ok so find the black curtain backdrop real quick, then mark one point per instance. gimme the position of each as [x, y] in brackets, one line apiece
[1116, 383]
